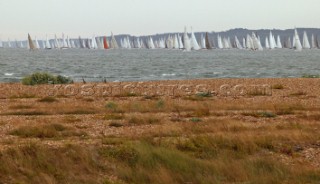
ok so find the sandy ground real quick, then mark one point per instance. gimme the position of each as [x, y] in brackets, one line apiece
[83, 107]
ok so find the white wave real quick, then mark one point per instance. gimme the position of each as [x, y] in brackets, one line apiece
[9, 74]
[168, 74]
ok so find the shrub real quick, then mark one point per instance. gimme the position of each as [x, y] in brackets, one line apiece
[45, 78]
[48, 99]
[116, 124]
[112, 106]
[46, 131]
[277, 86]
[310, 76]
[195, 120]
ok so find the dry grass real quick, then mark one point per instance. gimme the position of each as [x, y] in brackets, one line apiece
[255, 138]
[46, 131]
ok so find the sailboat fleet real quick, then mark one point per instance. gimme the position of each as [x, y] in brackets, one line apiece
[186, 41]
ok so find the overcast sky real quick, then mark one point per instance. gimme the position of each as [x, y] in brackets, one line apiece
[144, 17]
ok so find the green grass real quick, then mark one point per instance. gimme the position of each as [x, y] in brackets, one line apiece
[45, 78]
[310, 76]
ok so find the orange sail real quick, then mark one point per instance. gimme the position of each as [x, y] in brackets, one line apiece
[105, 43]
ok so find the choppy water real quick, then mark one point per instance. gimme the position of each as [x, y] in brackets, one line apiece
[139, 65]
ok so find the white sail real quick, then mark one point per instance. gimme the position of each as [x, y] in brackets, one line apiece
[271, 41]
[180, 42]
[249, 42]
[9, 43]
[64, 42]
[73, 45]
[47, 44]
[305, 44]
[99, 43]
[226, 43]
[220, 44]
[194, 43]
[113, 42]
[313, 42]
[68, 42]
[128, 43]
[175, 42]
[94, 43]
[36, 43]
[256, 42]
[237, 43]
[186, 40]
[289, 45]
[21, 45]
[279, 45]
[151, 43]
[56, 42]
[259, 44]
[169, 42]
[297, 43]
[244, 43]
[267, 43]
[203, 42]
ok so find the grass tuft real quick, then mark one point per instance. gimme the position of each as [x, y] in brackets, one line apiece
[48, 99]
[46, 131]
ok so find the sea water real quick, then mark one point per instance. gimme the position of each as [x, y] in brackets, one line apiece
[142, 64]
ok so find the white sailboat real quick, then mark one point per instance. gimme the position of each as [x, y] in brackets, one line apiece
[244, 43]
[289, 44]
[175, 42]
[9, 43]
[68, 42]
[113, 42]
[94, 43]
[186, 40]
[279, 45]
[305, 42]
[31, 44]
[36, 43]
[313, 42]
[267, 43]
[56, 42]
[237, 43]
[169, 42]
[220, 44]
[203, 42]
[151, 43]
[180, 42]
[194, 43]
[297, 44]
[64, 42]
[47, 44]
[249, 42]
[271, 41]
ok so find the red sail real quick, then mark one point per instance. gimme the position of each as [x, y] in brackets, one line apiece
[105, 43]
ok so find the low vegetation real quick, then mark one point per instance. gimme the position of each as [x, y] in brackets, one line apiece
[45, 78]
[46, 131]
[199, 138]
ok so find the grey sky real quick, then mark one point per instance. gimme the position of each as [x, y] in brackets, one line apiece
[143, 17]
